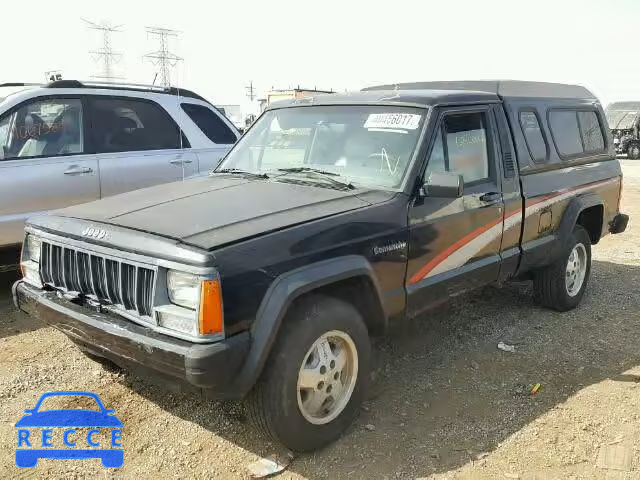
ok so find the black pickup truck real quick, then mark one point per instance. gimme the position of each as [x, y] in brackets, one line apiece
[332, 217]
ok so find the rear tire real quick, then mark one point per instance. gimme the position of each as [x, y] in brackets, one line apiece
[316, 376]
[633, 152]
[561, 285]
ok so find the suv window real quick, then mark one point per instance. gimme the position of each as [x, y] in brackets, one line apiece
[461, 147]
[210, 123]
[122, 125]
[536, 143]
[591, 132]
[43, 128]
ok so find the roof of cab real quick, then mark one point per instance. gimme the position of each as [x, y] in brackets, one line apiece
[393, 97]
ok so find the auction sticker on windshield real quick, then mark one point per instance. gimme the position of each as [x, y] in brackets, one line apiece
[407, 121]
[83, 428]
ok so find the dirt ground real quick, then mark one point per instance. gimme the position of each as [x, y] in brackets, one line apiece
[445, 402]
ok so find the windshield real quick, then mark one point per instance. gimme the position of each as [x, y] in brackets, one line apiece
[622, 119]
[369, 146]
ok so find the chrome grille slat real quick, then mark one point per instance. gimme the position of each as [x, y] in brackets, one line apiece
[112, 279]
[56, 266]
[97, 268]
[91, 277]
[126, 285]
[84, 278]
[144, 291]
[136, 303]
[45, 263]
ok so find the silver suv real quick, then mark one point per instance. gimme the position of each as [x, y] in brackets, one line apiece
[69, 142]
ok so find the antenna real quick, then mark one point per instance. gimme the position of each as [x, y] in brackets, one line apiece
[250, 91]
[105, 55]
[162, 57]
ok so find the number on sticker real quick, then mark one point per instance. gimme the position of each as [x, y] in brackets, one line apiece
[407, 121]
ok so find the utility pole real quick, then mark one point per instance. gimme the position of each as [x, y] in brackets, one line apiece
[105, 55]
[250, 91]
[163, 58]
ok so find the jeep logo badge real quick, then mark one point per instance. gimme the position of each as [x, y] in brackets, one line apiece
[93, 232]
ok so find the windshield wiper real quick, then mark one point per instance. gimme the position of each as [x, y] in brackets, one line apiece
[239, 171]
[326, 175]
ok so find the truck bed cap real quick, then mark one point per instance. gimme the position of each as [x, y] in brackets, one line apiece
[503, 88]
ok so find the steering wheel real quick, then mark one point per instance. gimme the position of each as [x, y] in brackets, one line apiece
[384, 160]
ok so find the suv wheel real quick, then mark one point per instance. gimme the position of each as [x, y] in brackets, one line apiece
[633, 152]
[316, 376]
[561, 285]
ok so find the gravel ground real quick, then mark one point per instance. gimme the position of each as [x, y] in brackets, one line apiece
[445, 402]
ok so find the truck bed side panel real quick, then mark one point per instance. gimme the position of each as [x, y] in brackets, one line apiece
[547, 196]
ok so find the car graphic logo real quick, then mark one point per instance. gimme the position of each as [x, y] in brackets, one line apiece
[28, 451]
[93, 232]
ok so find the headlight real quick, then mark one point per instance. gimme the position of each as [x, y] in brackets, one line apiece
[197, 305]
[184, 289]
[32, 246]
[30, 262]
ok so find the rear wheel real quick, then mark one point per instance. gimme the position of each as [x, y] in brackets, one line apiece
[561, 285]
[316, 376]
[633, 152]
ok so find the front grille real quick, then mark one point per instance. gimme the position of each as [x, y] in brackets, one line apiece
[108, 280]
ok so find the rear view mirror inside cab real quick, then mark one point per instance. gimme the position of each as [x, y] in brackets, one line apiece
[443, 184]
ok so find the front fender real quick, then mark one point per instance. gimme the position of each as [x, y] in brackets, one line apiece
[277, 300]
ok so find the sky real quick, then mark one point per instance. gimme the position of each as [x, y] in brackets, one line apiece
[339, 45]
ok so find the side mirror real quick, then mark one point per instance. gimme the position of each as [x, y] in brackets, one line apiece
[443, 184]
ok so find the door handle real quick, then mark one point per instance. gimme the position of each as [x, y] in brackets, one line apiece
[75, 170]
[491, 197]
[179, 161]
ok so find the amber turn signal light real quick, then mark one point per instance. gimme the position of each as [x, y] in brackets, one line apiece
[210, 319]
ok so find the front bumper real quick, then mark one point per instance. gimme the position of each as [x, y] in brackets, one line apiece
[211, 367]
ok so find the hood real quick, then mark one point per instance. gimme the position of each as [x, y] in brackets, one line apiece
[213, 211]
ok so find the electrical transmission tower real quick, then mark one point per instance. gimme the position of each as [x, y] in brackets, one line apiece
[163, 58]
[105, 55]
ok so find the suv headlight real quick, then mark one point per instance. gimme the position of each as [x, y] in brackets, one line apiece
[30, 261]
[197, 305]
[184, 289]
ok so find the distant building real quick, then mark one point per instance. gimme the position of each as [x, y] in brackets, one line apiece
[293, 93]
[233, 113]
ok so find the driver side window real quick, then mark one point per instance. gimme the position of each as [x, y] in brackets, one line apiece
[44, 128]
[461, 147]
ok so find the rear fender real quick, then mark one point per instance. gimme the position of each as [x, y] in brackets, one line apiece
[576, 206]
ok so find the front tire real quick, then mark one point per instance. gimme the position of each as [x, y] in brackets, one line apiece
[561, 285]
[316, 376]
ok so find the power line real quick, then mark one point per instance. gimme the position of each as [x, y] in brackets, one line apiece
[106, 55]
[163, 58]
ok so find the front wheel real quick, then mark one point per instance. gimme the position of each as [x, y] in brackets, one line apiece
[633, 152]
[316, 376]
[561, 285]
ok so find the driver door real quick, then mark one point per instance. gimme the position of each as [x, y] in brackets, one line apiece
[455, 242]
